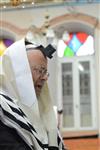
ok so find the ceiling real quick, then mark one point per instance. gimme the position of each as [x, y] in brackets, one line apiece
[36, 3]
[28, 2]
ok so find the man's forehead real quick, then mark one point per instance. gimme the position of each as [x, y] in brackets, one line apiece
[36, 52]
[37, 58]
[36, 55]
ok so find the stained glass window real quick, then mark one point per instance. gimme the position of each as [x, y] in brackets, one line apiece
[4, 43]
[75, 44]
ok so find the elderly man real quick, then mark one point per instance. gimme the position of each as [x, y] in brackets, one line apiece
[27, 119]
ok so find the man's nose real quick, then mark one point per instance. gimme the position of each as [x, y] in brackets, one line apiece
[45, 77]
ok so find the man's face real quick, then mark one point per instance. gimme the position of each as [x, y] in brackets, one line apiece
[38, 65]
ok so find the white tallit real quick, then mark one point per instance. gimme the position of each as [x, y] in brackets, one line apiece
[16, 82]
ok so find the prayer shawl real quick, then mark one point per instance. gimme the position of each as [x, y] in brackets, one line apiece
[34, 120]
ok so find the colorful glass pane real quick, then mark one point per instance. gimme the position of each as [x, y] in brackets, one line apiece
[76, 44]
[2, 47]
[87, 48]
[69, 39]
[4, 43]
[68, 52]
[8, 42]
[82, 36]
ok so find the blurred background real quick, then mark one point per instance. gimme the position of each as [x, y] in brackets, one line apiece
[73, 27]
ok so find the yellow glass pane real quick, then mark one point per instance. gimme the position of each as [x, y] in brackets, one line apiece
[2, 47]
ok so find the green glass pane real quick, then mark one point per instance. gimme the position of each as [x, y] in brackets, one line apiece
[68, 52]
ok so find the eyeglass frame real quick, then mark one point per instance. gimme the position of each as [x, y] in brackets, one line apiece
[40, 70]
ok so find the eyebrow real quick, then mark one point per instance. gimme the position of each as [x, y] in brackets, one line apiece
[39, 66]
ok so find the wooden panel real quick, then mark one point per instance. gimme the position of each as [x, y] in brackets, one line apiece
[69, 134]
[83, 144]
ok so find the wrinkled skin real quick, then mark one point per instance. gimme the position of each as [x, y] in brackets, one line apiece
[37, 60]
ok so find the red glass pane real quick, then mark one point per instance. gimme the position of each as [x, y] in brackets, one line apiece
[70, 37]
[82, 36]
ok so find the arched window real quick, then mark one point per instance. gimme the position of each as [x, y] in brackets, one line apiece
[75, 44]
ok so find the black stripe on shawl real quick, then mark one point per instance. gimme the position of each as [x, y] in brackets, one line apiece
[18, 111]
[58, 140]
[53, 148]
[6, 97]
[41, 144]
[21, 114]
[32, 128]
[21, 124]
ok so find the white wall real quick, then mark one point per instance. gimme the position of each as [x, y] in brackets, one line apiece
[24, 18]
[97, 47]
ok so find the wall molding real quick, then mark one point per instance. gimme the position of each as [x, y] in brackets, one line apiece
[59, 20]
[12, 28]
[78, 17]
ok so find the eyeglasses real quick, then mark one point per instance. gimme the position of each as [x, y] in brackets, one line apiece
[41, 71]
